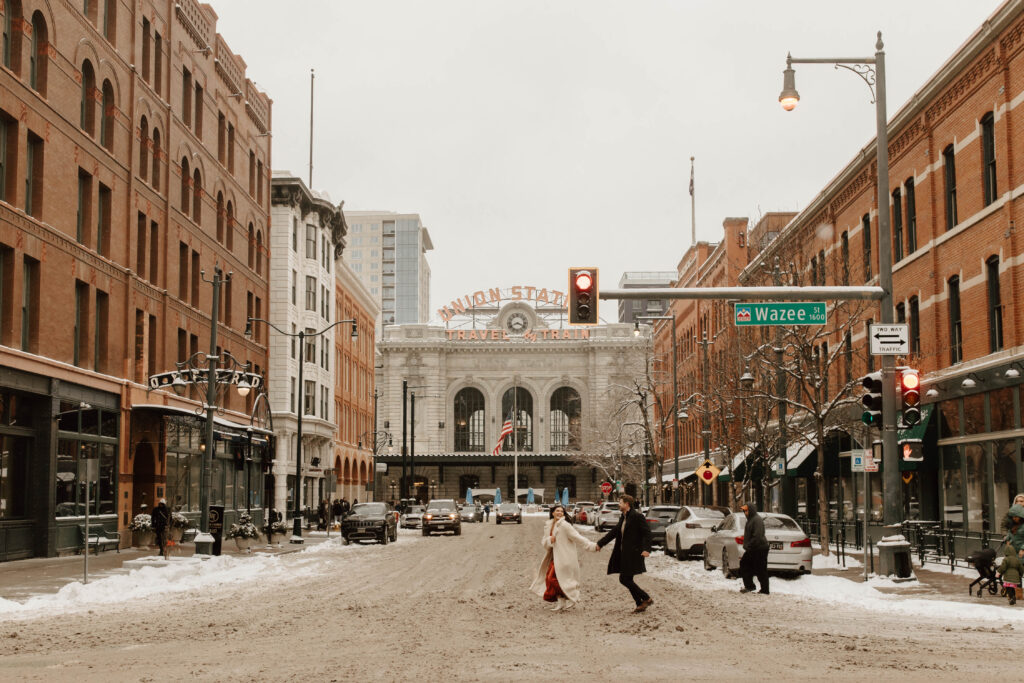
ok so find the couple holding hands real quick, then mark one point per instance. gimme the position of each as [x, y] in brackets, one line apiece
[558, 577]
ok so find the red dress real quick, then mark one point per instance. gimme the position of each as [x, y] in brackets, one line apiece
[552, 591]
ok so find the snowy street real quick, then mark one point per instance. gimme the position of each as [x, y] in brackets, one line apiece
[457, 608]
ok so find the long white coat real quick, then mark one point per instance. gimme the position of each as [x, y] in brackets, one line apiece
[564, 554]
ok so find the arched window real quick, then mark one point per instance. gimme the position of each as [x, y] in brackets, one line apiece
[468, 481]
[143, 148]
[87, 115]
[469, 421]
[517, 403]
[197, 196]
[220, 217]
[156, 159]
[566, 481]
[346, 473]
[252, 247]
[259, 252]
[107, 117]
[12, 36]
[229, 226]
[186, 178]
[39, 56]
[564, 419]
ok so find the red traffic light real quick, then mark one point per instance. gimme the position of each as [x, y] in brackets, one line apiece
[583, 280]
[911, 380]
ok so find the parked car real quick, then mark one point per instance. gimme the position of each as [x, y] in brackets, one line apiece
[659, 517]
[583, 511]
[509, 512]
[471, 513]
[789, 547]
[413, 517]
[442, 515]
[606, 516]
[370, 522]
[684, 536]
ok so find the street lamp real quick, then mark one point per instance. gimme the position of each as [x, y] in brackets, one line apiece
[675, 395]
[872, 71]
[190, 372]
[301, 335]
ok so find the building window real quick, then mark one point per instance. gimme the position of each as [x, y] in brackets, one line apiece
[183, 272]
[195, 281]
[84, 214]
[565, 419]
[110, 20]
[156, 160]
[988, 152]
[144, 148]
[865, 231]
[309, 398]
[229, 226]
[911, 202]
[100, 331]
[146, 39]
[186, 194]
[309, 355]
[324, 403]
[154, 252]
[821, 270]
[252, 173]
[87, 113]
[846, 257]
[259, 252]
[103, 209]
[199, 112]
[158, 60]
[311, 241]
[949, 163]
[295, 234]
[34, 176]
[291, 402]
[222, 134]
[469, 421]
[956, 340]
[231, 147]
[252, 247]
[8, 155]
[39, 54]
[107, 114]
[140, 240]
[220, 217]
[901, 313]
[995, 306]
[12, 36]
[197, 196]
[897, 225]
[295, 287]
[81, 333]
[566, 481]
[915, 326]
[310, 293]
[30, 305]
[517, 405]
[186, 96]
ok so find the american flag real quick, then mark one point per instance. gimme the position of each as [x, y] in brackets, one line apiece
[506, 429]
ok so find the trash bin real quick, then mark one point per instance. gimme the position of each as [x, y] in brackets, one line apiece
[894, 557]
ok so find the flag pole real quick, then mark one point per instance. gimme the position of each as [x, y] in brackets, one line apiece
[693, 209]
[515, 440]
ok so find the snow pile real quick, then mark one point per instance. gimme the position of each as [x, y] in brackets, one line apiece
[837, 590]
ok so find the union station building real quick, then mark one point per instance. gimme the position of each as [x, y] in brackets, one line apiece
[508, 355]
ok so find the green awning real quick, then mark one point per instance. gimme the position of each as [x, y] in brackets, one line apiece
[917, 432]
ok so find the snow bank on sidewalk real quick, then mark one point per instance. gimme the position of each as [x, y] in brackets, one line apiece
[190, 577]
[837, 590]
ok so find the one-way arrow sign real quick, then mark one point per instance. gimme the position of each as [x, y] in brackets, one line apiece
[889, 340]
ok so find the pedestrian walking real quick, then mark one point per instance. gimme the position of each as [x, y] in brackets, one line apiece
[755, 551]
[336, 510]
[321, 514]
[345, 507]
[632, 539]
[161, 519]
[1010, 571]
[1014, 524]
[487, 512]
[558, 577]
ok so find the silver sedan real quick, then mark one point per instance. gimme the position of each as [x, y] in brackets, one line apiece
[789, 547]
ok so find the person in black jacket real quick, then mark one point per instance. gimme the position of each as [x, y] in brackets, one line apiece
[755, 551]
[161, 520]
[632, 539]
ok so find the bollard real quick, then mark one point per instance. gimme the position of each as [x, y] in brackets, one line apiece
[871, 555]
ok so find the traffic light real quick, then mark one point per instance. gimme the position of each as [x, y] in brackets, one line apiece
[910, 385]
[583, 296]
[872, 400]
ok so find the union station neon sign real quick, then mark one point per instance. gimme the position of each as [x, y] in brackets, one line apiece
[527, 335]
[493, 295]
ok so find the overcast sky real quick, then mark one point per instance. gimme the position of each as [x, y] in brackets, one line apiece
[534, 135]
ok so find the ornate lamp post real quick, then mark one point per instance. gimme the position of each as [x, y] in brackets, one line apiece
[301, 335]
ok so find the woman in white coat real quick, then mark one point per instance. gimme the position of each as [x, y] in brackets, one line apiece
[558, 577]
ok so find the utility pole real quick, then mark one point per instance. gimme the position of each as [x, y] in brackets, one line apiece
[788, 484]
[404, 488]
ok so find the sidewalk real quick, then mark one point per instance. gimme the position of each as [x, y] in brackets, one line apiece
[20, 579]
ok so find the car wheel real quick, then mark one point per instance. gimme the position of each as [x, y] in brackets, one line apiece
[680, 553]
[497, 521]
[707, 562]
[519, 521]
[458, 531]
[394, 535]
[726, 571]
[385, 538]
[345, 541]
[664, 549]
[426, 533]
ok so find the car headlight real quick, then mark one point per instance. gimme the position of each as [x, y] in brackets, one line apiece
[451, 516]
[428, 516]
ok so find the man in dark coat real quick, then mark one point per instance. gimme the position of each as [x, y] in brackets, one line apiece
[755, 551]
[161, 520]
[632, 539]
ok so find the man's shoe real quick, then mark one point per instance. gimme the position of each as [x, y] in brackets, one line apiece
[763, 592]
[643, 605]
[744, 590]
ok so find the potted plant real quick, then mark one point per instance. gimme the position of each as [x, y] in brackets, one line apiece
[275, 527]
[142, 530]
[179, 523]
[243, 531]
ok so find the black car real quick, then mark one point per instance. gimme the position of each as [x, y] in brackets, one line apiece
[509, 512]
[442, 515]
[370, 522]
[659, 517]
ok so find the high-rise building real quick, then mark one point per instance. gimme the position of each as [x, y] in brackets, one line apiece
[388, 252]
[631, 309]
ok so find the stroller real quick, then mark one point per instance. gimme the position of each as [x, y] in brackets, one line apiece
[984, 561]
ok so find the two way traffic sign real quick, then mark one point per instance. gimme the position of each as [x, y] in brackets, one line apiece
[889, 340]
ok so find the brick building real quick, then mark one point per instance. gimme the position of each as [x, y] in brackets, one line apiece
[957, 271]
[133, 152]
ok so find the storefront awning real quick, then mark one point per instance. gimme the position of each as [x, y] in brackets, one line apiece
[916, 433]
[796, 455]
[217, 421]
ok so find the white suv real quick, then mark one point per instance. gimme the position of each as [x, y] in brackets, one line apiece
[607, 516]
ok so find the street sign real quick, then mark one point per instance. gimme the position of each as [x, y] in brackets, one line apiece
[857, 461]
[675, 483]
[870, 465]
[780, 313]
[606, 488]
[889, 340]
[707, 472]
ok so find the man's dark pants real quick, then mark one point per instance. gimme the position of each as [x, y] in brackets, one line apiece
[634, 590]
[754, 563]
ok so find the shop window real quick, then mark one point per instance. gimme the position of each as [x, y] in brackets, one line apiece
[978, 508]
[949, 423]
[974, 414]
[952, 488]
[1001, 411]
[15, 455]
[1004, 469]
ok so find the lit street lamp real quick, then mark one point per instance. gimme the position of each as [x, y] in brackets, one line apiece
[301, 335]
[872, 71]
